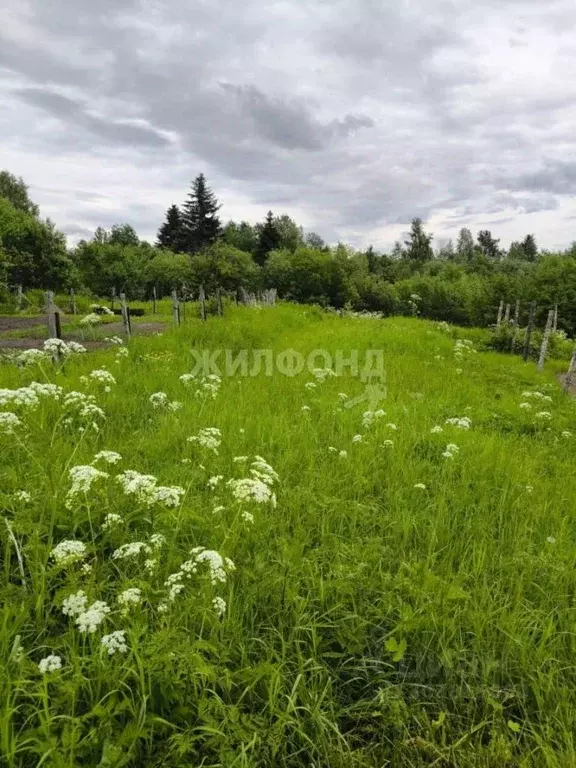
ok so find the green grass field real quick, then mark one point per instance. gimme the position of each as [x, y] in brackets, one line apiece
[394, 603]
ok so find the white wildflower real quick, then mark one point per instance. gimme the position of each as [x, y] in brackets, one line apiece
[357, 439]
[50, 664]
[169, 495]
[132, 549]
[115, 641]
[436, 430]
[238, 459]
[158, 400]
[310, 385]
[23, 496]
[102, 376]
[529, 489]
[111, 520]
[143, 487]
[214, 481]
[90, 619]
[68, 551]
[219, 606]
[8, 422]
[392, 426]
[343, 454]
[566, 433]
[90, 320]
[209, 438]
[110, 457]
[525, 406]
[174, 406]
[306, 409]
[248, 517]
[75, 604]
[369, 417]
[218, 509]
[129, 597]
[388, 444]
[82, 476]
[343, 396]
[462, 423]
[551, 540]
[420, 486]
[544, 415]
[250, 489]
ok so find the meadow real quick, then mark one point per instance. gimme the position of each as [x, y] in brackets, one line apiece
[243, 571]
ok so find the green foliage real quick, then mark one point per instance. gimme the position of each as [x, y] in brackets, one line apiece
[33, 252]
[170, 233]
[15, 191]
[418, 246]
[268, 239]
[394, 608]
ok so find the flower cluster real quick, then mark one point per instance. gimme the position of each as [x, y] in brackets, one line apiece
[90, 320]
[208, 386]
[83, 406]
[91, 618]
[101, 309]
[102, 376]
[537, 396]
[462, 423]
[68, 551]
[451, 451]
[146, 490]
[218, 568]
[110, 457]
[258, 487]
[115, 641]
[209, 437]
[321, 374]
[369, 417]
[462, 348]
[160, 400]
[129, 597]
[50, 664]
[83, 477]
[8, 422]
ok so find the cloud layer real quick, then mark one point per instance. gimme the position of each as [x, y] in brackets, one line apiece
[350, 116]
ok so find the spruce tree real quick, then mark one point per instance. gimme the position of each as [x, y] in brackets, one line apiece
[418, 246]
[200, 224]
[489, 245]
[530, 248]
[268, 240]
[170, 233]
[465, 245]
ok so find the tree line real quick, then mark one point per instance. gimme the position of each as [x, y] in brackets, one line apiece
[460, 282]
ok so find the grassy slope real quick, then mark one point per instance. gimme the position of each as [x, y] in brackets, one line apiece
[369, 622]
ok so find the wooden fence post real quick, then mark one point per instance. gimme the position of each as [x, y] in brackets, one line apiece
[219, 301]
[507, 314]
[545, 339]
[125, 315]
[555, 322]
[570, 373]
[500, 310]
[52, 316]
[175, 307]
[202, 300]
[73, 301]
[154, 300]
[529, 330]
[113, 297]
[19, 297]
[517, 313]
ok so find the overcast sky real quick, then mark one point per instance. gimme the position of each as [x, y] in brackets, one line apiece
[351, 116]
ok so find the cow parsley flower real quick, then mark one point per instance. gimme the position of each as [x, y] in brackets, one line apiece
[388, 444]
[566, 433]
[115, 641]
[310, 385]
[250, 489]
[50, 664]
[214, 481]
[102, 376]
[209, 438]
[130, 597]
[111, 520]
[436, 430]
[110, 457]
[175, 406]
[143, 487]
[209, 386]
[32, 356]
[451, 450]
[357, 439]
[420, 486]
[392, 427]
[218, 509]
[132, 549]
[90, 320]
[525, 406]
[158, 400]
[83, 477]
[218, 566]
[75, 604]
[169, 495]
[90, 620]
[68, 551]
[23, 496]
[369, 417]
[219, 606]
[9, 422]
[306, 409]
[343, 455]
[462, 423]
[551, 540]
[248, 517]
[544, 415]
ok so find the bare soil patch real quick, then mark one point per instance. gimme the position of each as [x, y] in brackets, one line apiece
[111, 329]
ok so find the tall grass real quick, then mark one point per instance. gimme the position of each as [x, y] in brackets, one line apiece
[369, 622]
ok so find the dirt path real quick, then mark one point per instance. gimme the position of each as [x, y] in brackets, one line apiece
[111, 329]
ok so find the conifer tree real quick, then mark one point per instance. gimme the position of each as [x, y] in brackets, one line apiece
[200, 223]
